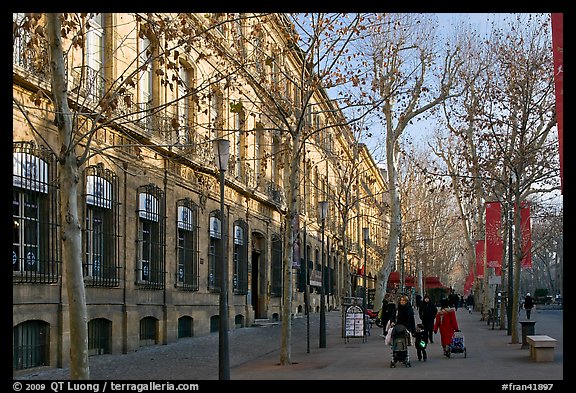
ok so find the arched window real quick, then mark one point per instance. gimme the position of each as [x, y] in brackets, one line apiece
[216, 235]
[99, 336]
[148, 331]
[101, 227]
[35, 246]
[30, 345]
[151, 237]
[185, 326]
[240, 258]
[187, 245]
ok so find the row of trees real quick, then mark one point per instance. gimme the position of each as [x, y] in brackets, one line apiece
[491, 98]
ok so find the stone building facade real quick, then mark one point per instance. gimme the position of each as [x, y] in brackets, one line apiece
[148, 190]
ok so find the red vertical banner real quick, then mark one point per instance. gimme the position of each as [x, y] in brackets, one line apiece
[469, 282]
[480, 258]
[494, 243]
[526, 261]
[558, 56]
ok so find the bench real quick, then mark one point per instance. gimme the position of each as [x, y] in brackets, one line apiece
[542, 347]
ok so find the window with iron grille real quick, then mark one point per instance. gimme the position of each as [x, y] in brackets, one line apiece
[187, 245]
[148, 334]
[185, 326]
[30, 345]
[150, 269]
[214, 253]
[99, 336]
[276, 288]
[101, 239]
[240, 255]
[35, 247]
[305, 270]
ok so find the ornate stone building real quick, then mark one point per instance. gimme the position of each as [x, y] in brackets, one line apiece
[149, 94]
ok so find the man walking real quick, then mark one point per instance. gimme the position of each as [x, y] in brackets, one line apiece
[528, 305]
[427, 313]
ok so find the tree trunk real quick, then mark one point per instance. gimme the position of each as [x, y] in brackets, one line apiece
[70, 231]
[293, 173]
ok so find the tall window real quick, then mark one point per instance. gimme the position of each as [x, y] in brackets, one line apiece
[187, 245]
[239, 142]
[258, 148]
[276, 281]
[185, 117]
[145, 83]
[240, 258]
[95, 55]
[216, 236]
[35, 250]
[239, 34]
[151, 237]
[101, 227]
[215, 113]
[275, 161]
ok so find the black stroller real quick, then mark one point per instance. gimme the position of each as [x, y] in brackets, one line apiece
[400, 343]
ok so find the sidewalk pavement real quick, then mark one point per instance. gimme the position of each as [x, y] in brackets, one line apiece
[489, 356]
[255, 355]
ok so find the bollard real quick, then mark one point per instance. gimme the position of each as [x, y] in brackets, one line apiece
[527, 330]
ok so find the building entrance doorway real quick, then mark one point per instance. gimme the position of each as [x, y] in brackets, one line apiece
[258, 277]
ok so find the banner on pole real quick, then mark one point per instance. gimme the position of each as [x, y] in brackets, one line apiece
[526, 261]
[558, 57]
[480, 258]
[494, 243]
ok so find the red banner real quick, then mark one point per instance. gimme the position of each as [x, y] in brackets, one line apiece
[494, 243]
[480, 258]
[526, 261]
[558, 55]
[468, 283]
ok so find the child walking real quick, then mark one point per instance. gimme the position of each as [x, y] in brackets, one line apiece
[421, 339]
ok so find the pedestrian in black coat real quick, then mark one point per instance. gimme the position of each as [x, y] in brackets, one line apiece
[405, 314]
[388, 310]
[427, 313]
[528, 304]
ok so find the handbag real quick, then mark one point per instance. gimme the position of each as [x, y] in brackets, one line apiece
[388, 339]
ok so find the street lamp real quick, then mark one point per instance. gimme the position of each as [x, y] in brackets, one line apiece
[323, 207]
[365, 236]
[510, 254]
[221, 152]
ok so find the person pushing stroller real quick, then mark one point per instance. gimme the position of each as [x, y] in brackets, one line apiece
[404, 327]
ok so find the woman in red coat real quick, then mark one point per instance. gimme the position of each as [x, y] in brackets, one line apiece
[447, 324]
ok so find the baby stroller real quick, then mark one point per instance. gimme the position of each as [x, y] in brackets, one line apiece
[400, 343]
[457, 345]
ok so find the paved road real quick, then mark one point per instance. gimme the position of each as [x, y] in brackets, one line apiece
[254, 355]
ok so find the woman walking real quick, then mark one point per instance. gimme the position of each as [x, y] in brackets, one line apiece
[447, 324]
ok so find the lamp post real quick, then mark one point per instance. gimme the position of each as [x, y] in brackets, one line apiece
[323, 206]
[222, 151]
[510, 257]
[365, 235]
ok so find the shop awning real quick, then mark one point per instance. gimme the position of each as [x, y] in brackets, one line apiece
[394, 278]
[433, 282]
[409, 281]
